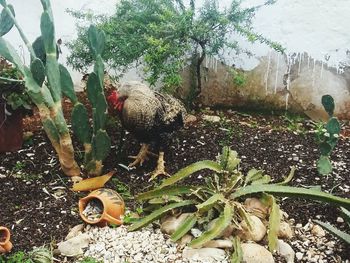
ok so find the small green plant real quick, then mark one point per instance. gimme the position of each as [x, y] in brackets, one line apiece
[333, 230]
[37, 255]
[238, 78]
[90, 260]
[327, 136]
[219, 198]
[122, 188]
[294, 123]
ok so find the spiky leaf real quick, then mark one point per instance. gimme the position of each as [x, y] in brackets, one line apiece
[218, 227]
[38, 71]
[212, 201]
[328, 104]
[338, 233]
[333, 126]
[101, 145]
[289, 191]
[157, 214]
[67, 84]
[274, 222]
[170, 190]
[96, 40]
[253, 175]
[228, 159]
[192, 168]
[324, 165]
[186, 226]
[6, 22]
[80, 123]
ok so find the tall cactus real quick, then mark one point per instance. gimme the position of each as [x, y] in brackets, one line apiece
[329, 137]
[96, 141]
[46, 95]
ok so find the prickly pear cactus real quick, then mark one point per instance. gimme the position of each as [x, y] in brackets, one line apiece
[96, 140]
[328, 137]
[46, 97]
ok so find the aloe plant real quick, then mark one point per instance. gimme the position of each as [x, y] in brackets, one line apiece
[219, 199]
[335, 231]
[328, 136]
[45, 94]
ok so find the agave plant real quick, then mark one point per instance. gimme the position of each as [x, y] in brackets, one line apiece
[333, 230]
[218, 200]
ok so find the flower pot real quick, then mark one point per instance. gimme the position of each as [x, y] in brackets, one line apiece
[5, 243]
[11, 129]
[111, 204]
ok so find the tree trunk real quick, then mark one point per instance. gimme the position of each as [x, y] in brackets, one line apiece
[199, 75]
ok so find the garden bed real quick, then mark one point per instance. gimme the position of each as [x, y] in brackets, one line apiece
[39, 207]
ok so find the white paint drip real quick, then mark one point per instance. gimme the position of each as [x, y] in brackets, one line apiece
[277, 69]
[267, 72]
[300, 60]
[314, 74]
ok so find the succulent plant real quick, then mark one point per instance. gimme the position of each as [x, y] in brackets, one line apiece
[46, 95]
[328, 136]
[219, 199]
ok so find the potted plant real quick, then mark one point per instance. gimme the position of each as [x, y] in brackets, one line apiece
[14, 103]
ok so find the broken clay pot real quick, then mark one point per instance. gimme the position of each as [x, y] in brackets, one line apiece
[112, 207]
[5, 243]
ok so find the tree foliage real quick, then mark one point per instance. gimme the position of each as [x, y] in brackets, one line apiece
[163, 36]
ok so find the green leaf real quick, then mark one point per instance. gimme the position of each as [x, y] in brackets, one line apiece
[183, 229]
[253, 175]
[289, 191]
[264, 180]
[218, 226]
[328, 104]
[340, 234]
[325, 148]
[212, 201]
[289, 177]
[157, 214]
[192, 168]
[324, 165]
[67, 84]
[170, 190]
[6, 22]
[228, 159]
[38, 71]
[346, 214]
[237, 256]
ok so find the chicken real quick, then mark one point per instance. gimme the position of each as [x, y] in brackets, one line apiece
[150, 116]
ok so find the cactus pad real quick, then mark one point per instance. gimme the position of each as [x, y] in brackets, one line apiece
[328, 104]
[6, 22]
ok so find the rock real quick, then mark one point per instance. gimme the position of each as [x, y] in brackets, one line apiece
[340, 220]
[185, 240]
[285, 231]
[190, 119]
[299, 255]
[171, 223]
[257, 232]
[256, 207]
[318, 231]
[204, 254]
[73, 247]
[75, 231]
[286, 251]
[254, 253]
[196, 232]
[223, 243]
[211, 118]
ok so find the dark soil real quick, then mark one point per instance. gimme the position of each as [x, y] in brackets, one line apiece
[39, 207]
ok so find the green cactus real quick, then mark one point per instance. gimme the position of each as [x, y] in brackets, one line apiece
[96, 140]
[328, 136]
[46, 97]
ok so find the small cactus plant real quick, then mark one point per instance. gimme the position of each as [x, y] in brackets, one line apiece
[45, 94]
[96, 140]
[328, 136]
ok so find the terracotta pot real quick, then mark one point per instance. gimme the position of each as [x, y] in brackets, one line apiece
[5, 243]
[113, 207]
[11, 130]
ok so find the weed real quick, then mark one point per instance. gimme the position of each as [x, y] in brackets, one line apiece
[122, 188]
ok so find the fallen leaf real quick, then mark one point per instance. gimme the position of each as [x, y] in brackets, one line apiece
[92, 183]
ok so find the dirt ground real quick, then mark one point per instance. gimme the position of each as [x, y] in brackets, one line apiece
[39, 207]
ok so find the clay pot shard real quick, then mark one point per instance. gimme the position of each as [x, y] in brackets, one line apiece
[5, 243]
[101, 207]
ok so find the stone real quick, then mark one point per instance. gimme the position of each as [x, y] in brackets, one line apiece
[299, 255]
[256, 207]
[74, 247]
[190, 119]
[171, 223]
[75, 231]
[286, 251]
[185, 240]
[223, 243]
[285, 231]
[209, 255]
[340, 220]
[211, 118]
[258, 230]
[318, 231]
[254, 253]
